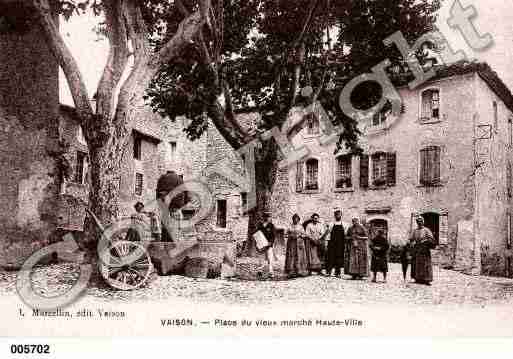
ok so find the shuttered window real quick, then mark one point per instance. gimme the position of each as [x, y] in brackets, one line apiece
[312, 124]
[391, 169]
[509, 179]
[80, 167]
[139, 179]
[137, 148]
[430, 166]
[378, 118]
[221, 213]
[364, 171]
[244, 202]
[343, 172]
[510, 230]
[443, 232]
[379, 169]
[312, 173]
[299, 176]
[172, 150]
[381, 116]
[430, 105]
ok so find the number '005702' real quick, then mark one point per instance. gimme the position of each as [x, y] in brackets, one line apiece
[30, 349]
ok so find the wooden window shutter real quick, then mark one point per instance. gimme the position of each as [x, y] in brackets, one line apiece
[391, 168]
[509, 179]
[299, 177]
[443, 232]
[423, 166]
[510, 230]
[426, 105]
[436, 164]
[364, 171]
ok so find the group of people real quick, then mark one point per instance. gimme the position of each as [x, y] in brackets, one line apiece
[314, 247]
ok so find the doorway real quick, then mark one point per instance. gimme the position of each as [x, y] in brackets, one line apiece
[432, 221]
[376, 225]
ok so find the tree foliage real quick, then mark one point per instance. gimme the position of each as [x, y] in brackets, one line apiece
[269, 49]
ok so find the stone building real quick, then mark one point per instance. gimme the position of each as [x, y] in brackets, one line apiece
[447, 157]
[158, 145]
[40, 136]
[29, 112]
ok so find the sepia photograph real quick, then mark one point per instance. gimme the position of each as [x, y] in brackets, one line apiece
[306, 168]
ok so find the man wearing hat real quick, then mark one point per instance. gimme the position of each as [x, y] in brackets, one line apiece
[336, 243]
[268, 230]
[166, 184]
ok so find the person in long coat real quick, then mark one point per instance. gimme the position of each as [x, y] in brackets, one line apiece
[336, 244]
[357, 260]
[422, 242]
[269, 231]
[165, 185]
[315, 233]
[379, 261]
[296, 262]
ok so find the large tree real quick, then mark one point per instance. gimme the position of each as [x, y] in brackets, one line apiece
[132, 62]
[256, 55]
[218, 58]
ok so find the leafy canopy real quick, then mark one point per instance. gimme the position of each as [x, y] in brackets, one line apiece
[259, 53]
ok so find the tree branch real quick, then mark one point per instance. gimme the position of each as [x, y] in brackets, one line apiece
[181, 7]
[137, 31]
[297, 70]
[65, 59]
[147, 64]
[306, 24]
[300, 58]
[226, 128]
[117, 59]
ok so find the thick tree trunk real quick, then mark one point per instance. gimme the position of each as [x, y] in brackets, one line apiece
[105, 173]
[266, 167]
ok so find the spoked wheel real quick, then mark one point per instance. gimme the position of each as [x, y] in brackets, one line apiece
[127, 265]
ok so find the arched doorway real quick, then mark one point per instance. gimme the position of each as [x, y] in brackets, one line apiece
[432, 221]
[376, 225]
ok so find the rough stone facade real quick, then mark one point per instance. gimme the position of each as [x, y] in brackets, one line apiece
[38, 133]
[469, 205]
[28, 118]
[163, 146]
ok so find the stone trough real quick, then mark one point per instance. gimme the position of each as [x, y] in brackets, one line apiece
[195, 256]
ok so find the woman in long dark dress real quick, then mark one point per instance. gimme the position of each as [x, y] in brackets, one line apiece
[296, 262]
[422, 241]
[336, 244]
[357, 259]
[379, 262]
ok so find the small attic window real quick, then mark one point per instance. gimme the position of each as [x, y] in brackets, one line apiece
[430, 110]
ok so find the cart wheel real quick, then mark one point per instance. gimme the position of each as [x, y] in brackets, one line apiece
[128, 266]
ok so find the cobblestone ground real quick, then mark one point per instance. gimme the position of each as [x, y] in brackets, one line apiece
[449, 287]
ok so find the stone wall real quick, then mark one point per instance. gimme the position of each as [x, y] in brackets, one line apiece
[453, 200]
[492, 188]
[29, 130]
